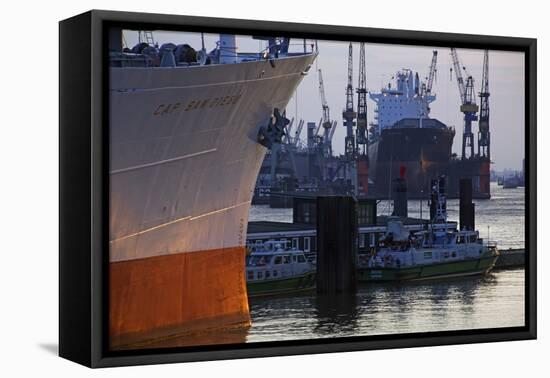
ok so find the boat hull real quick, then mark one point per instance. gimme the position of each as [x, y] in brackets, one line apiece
[184, 158]
[425, 153]
[480, 266]
[281, 286]
[173, 295]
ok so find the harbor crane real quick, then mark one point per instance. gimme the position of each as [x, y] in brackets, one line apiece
[332, 131]
[362, 157]
[431, 75]
[362, 102]
[349, 114]
[296, 138]
[484, 136]
[326, 122]
[468, 105]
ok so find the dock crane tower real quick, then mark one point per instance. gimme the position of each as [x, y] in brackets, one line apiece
[484, 136]
[326, 122]
[362, 157]
[362, 103]
[468, 105]
[349, 114]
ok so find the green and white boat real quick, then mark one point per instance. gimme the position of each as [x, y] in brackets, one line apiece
[432, 253]
[427, 255]
[272, 269]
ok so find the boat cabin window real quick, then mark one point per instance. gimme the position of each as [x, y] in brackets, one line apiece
[250, 275]
[427, 255]
[259, 260]
[267, 274]
[286, 259]
[307, 244]
[362, 238]
[278, 260]
[294, 258]
[295, 243]
[260, 275]
[372, 240]
[301, 259]
[275, 273]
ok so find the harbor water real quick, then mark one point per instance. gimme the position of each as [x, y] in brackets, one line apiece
[501, 218]
[493, 301]
[496, 300]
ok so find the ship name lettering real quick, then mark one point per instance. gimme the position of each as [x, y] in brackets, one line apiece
[164, 109]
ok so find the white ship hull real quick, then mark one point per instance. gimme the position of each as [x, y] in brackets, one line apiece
[184, 158]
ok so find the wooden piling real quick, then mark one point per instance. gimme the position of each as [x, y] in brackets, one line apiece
[466, 205]
[336, 244]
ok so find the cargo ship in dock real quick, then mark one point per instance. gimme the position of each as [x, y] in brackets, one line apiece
[404, 136]
[188, 133]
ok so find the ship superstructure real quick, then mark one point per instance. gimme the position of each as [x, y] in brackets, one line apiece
[404, 100]
[403, 136]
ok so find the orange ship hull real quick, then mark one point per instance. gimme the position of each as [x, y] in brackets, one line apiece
[154, 300]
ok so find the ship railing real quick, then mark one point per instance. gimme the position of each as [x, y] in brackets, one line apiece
[264, 53]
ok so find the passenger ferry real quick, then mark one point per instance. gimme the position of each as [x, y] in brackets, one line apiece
[272, 268]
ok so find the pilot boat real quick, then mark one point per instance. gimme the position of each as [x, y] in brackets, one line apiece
[436, 252]
[426, 255]
[272, 268]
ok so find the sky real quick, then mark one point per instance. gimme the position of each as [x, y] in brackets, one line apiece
[506, 85]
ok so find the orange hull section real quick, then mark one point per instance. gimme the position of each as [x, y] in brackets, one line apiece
[160, 298]
[363, 176]
[485, 178]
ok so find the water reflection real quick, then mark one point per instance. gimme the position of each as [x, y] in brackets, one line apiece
[336, 314]
[460, 303]
[493, 301]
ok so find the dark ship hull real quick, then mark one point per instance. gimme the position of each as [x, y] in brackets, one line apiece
[425, 153]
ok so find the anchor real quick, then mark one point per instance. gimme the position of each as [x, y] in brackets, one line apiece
[274, 130]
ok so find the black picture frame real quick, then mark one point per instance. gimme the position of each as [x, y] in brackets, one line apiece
[83, 196]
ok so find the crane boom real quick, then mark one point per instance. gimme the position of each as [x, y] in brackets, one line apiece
[326, 122]
[433, 70]
[298, 132]
[458, 73]
[332, 130]
[326, 111]
[289, 131]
